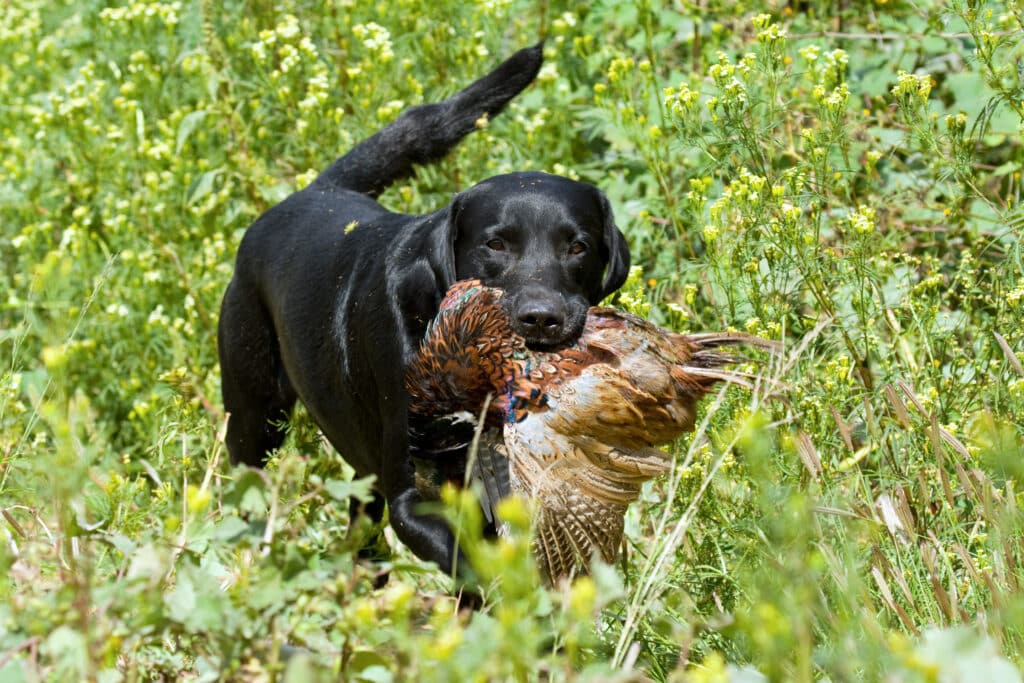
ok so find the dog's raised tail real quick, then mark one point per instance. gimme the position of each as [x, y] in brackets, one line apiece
[427, 132]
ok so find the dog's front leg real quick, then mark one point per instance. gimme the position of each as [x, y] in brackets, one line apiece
[427, 535]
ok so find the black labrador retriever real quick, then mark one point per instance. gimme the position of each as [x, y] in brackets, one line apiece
[332, 292]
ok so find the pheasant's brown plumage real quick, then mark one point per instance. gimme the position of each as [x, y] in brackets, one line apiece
[575, 429]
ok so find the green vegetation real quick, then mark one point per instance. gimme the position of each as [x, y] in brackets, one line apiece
[844, 176]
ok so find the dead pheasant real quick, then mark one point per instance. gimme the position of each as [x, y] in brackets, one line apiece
[574, 430]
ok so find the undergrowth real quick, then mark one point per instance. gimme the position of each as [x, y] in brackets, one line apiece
[843, 177]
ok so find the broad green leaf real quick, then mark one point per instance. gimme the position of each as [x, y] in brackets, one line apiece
[201, 187]
[187, 126]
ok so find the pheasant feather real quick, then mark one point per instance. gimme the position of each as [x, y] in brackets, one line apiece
[574, 429]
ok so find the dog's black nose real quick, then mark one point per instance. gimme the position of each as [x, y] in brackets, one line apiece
[541, 320]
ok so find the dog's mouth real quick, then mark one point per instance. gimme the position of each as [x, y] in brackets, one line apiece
[547, 347]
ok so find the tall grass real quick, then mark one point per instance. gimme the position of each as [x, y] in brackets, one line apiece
[843, 177]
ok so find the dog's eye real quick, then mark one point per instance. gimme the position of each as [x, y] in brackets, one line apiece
[495, 244]
[577, 248]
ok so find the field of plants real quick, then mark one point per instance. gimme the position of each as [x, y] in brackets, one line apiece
[840, 175]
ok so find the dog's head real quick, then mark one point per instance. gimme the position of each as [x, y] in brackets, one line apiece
[551, 243]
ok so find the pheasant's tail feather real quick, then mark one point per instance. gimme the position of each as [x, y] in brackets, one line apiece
[710, 340]
[708, 362]
[712, 375]
[706, 358]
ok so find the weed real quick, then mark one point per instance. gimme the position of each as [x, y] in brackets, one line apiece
[844, 177]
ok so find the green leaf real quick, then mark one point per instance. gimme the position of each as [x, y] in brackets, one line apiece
[370, 666]
[197, 602]
[375, 674]
[341, 490]
[249, 493]
[301, 668]
[201, 186]
[147, 563]
[187, 127]
[69, 650]
[11, 672]
[229, 529]
[122, 543]
[181, 602]
[275, 192]
[745, 674]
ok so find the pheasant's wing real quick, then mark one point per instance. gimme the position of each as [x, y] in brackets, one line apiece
[622, 409]
[491, 470]
[553, 548]
[579, 511]
[441, 437]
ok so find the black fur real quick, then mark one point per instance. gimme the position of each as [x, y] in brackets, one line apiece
[330, 317]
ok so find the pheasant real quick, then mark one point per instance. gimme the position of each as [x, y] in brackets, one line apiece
[574, 429]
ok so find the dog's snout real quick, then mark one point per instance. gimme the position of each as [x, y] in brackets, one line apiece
[542, 316]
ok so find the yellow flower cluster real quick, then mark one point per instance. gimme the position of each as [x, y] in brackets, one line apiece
[1015, 295]
[810, 53]
[745, 192]
[619, 67]
[632, 295]
[834, 67]
[166, 12]
[681, 100]
[376, 39]
[956, 124]
[911, 89]
[724, 74]
[834, 100]
[862, 220]
[767, 32]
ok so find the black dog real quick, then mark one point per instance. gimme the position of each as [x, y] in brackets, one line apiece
[328, 313]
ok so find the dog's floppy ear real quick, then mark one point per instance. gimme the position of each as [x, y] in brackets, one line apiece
[618, 251]
[443, 250]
